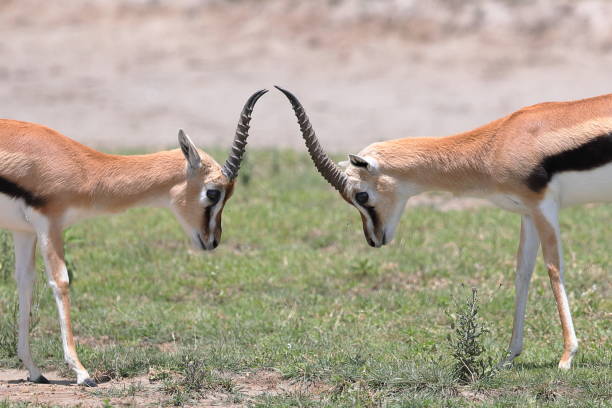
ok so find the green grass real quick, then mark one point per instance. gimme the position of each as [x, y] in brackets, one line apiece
[295, 288]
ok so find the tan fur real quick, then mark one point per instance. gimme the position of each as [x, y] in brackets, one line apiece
[500, 154]
[69, 174]
[550, 245]
[494, 161]
[54, 255]
[69, 177]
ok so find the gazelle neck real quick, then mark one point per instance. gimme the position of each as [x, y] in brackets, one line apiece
[120, 182]
[457, 163]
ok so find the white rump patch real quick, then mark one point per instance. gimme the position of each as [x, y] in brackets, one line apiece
[12, 216]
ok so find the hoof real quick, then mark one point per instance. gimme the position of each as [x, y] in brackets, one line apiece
[505, 364]
[88, 382]
[565, 365]
[39, 380]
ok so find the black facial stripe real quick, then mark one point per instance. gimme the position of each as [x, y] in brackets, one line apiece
[591, 155]
[207, 212]
[202, 245]
[16, 191]
[372, 213]
[373, 216]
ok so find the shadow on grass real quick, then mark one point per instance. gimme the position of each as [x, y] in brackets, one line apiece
[579, 363]
[534, 366]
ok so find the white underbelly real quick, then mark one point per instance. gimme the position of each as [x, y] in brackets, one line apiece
[581, 187]
[508, 202]
[12, 214]
[76, 214]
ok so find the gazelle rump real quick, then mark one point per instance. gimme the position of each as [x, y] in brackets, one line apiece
[48, 182]
[533, 162]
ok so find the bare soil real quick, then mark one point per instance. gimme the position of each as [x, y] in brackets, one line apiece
[141, 391]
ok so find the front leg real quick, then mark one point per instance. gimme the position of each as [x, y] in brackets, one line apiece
[547, 223]
[52, 248]
[526, 259]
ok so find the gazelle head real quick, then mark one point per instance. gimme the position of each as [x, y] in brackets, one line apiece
[364, 183]
[199, 201]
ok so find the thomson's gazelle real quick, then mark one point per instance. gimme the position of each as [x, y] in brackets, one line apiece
[533, 162]
[48, 181]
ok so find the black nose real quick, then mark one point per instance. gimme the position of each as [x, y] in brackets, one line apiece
[370, 242]
[215, 243]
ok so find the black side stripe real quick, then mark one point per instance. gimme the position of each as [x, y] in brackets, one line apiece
[14, 190]
[591, 155]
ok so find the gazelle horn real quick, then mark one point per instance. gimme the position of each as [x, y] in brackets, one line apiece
[232, 164]
[328, 169]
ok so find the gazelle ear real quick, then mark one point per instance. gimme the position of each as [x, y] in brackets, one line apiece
[365, 162]
[189, 150]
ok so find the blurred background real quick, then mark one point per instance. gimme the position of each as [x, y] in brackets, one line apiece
[127, 74]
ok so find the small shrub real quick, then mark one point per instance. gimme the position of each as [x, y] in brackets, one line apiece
[195, 374]
[466, 343]
[193, 381]
[363, 268]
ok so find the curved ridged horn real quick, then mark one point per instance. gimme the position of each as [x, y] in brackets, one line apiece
[328, 169]
[232, 164]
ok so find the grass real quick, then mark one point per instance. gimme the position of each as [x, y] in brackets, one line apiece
[295, 288]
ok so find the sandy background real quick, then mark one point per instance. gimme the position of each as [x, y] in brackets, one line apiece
[127, 74]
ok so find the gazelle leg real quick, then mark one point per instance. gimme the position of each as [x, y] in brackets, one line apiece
[526, 258]
[51, 245]
[25, 274]
[547, 224]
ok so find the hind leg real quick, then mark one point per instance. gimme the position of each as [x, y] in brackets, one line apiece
[547, 223]
[25, 273]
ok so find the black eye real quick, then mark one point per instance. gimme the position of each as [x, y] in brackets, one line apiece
[362, 197]
[213, 195]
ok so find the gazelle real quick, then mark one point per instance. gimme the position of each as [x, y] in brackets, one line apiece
[48, 182]
[533, 162]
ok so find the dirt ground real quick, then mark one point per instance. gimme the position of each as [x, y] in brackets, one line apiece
[140, 391]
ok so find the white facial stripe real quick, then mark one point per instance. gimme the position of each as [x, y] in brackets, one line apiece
[369, 222]
[214, 211]
[391, 220]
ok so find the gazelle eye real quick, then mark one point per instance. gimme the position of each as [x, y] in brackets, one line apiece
[362, 197]
[213, 195]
